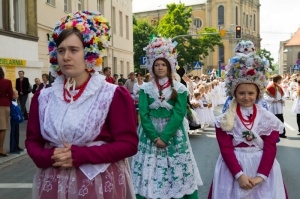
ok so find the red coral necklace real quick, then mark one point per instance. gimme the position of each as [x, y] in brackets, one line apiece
[162, 87]
[76, 96]
[246, 122]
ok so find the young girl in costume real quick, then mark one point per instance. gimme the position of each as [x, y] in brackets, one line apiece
[296, 105]
[164, 166]
[247, 134]
[72, 135]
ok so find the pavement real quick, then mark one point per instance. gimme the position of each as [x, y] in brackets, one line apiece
[21, 143]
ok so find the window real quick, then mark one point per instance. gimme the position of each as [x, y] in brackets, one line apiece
[100, 5]
[121, 23]
[254, 22]
[114, 20]
[13, 15]
[67, 6]
[127, 27]
[250, 21]
[236, 16]
[298, 55]
[197, 23]
[51, 2]
[80, 5]
[247, 21]
[221, 15]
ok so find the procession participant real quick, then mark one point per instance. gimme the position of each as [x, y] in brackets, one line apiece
[72, 135]
[274, 96]
[164, 166]
[247, 133]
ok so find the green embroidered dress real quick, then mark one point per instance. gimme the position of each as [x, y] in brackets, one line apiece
[169, 172]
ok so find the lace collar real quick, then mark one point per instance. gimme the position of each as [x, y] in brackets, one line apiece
[92, 87]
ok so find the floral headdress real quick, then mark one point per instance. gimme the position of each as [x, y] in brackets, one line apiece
[246, 67]
[161, 48]
[95, 31]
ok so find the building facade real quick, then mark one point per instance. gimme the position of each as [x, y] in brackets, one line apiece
[289, 54]
[19, 40]
[119, 53]
[223, 15]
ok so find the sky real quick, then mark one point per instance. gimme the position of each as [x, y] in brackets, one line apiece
[278, 19]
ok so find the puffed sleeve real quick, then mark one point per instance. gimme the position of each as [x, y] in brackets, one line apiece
[146, 122]
[227, 151]
[269, 154]
[179, 111]
[35, 143]
[121, 122]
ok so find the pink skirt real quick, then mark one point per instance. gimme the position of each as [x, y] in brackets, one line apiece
[113, 183]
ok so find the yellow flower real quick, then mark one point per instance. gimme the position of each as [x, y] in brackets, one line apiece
[237, 65]
[100, 19]
[80, 27]
[99, 61]
[69, 25]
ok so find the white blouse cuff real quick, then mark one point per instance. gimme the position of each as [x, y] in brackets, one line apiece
[238, 175]
[262, 176]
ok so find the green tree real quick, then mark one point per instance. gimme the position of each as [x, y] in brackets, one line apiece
[263, 53]
[177, 21]
[142, 31]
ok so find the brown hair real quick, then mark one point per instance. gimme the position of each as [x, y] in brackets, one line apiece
[45, 75]
[1, 73]
[174, 92]
[66, 33]
[276, 78]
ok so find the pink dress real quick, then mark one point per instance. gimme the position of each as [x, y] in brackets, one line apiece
[99, 146]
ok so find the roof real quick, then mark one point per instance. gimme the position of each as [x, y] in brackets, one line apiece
[149, 5]
[295, 40]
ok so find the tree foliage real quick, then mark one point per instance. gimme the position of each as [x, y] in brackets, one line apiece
[142, 31]
[177, 21]
[263, 53]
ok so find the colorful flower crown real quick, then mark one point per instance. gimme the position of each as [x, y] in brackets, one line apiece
[95, 31]
[161, 48]
[246, 67]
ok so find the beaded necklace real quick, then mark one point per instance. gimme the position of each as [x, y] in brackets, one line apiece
[73, 98]
[246, 122]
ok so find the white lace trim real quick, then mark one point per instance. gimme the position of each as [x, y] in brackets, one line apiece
[78, 123]
[264, 124]
[152, 90]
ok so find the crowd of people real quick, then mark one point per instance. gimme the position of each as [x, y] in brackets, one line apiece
[83, 127]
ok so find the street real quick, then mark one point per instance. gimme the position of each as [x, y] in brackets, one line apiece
[17, 172]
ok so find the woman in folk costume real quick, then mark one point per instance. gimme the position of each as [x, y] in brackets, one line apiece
[247, 135]
[72, 135]
[164, 166]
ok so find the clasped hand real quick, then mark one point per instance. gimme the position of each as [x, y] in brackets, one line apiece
[159, 143]
[63, 157]
[248, 183]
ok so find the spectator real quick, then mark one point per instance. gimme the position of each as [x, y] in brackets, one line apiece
[45, 84]
[122, 79]
[16, 118]
[116, 76]
[6, 95]
[130, 82]
[107, 74]
[36, 85]
[23, 88]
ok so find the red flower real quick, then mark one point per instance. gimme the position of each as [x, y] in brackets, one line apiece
[251, 72]
[249, 138]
